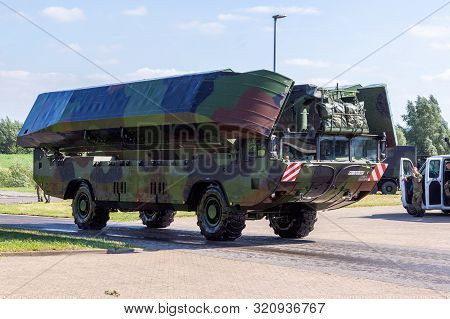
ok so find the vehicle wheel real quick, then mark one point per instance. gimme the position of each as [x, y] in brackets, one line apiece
[85, 212]
[216, 219]
[389, 188]
[415, 212]
[157, 218]
[446, 211]
[293, 224]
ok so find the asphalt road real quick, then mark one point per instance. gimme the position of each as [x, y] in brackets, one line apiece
[378, 252]
[11, 197]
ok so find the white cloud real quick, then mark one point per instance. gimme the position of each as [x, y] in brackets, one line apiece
[440, 45]
[148, 73]
[62, 14]
[138, 12]
[14, 74]
[282, 10]
[231, 17]
[110, 61]
[430, 31]
[306, 63]
[444, 76]
[204, 27]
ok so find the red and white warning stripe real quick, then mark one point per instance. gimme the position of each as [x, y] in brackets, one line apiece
[291, 172]
[377, 172]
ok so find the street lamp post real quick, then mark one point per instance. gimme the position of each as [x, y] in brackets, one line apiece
[275, 18]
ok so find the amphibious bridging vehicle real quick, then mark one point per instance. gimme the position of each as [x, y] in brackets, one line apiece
[230, 146]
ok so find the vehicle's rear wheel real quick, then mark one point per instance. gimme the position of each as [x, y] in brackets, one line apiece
[446, 211]
[415, 212]
[389, 188]
[85, 212]
[216, 219]
[157, 218]
[293, 223]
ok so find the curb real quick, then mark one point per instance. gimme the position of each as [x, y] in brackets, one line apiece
[71, 252]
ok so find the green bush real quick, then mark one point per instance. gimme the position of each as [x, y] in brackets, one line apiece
[18, 175]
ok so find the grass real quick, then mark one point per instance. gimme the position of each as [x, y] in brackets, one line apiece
[63, 209]
[379, 200]
[16, 240]
[7, 160]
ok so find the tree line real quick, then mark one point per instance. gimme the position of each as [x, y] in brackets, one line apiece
[424, 128]
[8, 137]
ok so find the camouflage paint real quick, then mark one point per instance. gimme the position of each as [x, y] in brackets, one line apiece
[250, 101]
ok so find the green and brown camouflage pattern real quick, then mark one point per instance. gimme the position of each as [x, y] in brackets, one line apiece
[248, 110]
[250, 101]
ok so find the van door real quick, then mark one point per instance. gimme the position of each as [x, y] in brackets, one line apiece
[433, 183]
[405, 179]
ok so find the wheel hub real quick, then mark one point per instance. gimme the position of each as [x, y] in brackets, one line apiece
[213, 213]
[83, 205]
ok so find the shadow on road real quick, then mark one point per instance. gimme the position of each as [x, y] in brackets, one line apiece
[157, 239]
[432, 217]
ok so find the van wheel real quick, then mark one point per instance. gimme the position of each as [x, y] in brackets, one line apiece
[157, 218]
[389, 188]
[216, 219]
[415, 212]
[85, 212]
[293, 224]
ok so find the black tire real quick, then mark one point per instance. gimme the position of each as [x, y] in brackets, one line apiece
[85, 212]
[216, 219]
[293, 224]
[389, 188]
[415, 212]
[446, 211]
[157, 218]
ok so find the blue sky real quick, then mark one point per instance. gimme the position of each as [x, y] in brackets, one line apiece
[143, 39]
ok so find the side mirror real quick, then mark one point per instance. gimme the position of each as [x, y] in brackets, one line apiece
[383, 147]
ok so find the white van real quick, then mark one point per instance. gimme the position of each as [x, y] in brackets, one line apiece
[435, 184]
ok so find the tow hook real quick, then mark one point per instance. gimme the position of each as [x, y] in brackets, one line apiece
[348, 196]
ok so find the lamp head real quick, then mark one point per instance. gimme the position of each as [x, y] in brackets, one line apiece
[278, 16]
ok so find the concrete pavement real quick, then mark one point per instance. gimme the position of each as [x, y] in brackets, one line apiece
[378, 252]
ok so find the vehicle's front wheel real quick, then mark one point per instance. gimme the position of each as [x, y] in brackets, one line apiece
[85, 212]
[157, 218]
[293, 223]
[415, 212]
[216, 219]
[389, 188]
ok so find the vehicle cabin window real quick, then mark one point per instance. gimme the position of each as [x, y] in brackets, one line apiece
[335, 149]
[407, 168]
[364, 149]
[299, 149]
[434, 169]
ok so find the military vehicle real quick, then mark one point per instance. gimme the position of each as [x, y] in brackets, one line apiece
[389, 183]
[230, 146]
[435, 185]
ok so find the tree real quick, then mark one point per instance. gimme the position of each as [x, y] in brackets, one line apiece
[425, 127]
[8, 136]
[400, 132]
